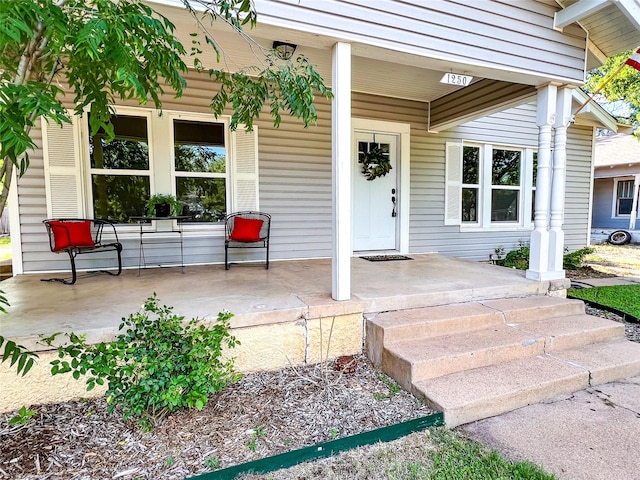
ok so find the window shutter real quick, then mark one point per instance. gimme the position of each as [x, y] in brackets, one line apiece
[453, 183]
[63, 178]
[245, 169]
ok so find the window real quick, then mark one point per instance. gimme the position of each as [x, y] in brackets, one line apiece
[534, 179]
[209, 169]
[505, 185]
[624, 197]
[470, 183]
[120, 174]
[489, 186]
[200, 161]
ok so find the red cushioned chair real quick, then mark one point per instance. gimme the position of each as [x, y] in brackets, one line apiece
[246, 230]
[77, 236]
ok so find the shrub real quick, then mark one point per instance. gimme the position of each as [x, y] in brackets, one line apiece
[519, 258]
[575, 260]
[156, 365]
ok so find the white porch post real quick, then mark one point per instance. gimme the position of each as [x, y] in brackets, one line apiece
[539, 252]
[558, 182]
[341, 172]
[634, 205]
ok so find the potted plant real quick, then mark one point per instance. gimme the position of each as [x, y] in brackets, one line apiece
[163, 205]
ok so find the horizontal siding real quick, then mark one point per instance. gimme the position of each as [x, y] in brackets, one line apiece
[295, 187]
[498, 34]
[578, 187]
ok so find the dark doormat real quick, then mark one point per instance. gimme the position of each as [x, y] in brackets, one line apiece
[385, 258]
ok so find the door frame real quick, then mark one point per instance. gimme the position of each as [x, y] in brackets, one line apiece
[403, 131]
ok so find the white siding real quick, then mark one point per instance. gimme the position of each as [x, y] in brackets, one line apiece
[295, 185]
[501, 34]
[578, 189]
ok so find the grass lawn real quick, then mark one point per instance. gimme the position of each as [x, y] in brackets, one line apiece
[5, 248]
[622, 260]
[625, 298]
[435, 454]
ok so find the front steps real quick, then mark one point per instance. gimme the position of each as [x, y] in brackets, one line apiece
[479, 359]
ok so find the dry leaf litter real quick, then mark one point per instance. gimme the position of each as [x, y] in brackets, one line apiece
[263, 414]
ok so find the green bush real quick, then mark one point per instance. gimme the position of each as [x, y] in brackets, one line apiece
[575, 260]
[519, 258]
[158, 364]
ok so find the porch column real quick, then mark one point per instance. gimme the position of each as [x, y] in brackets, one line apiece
[558, 181]
[341, 172]
[634, 205]
[539, 245]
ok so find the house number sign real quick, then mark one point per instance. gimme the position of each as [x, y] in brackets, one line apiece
[456, 79]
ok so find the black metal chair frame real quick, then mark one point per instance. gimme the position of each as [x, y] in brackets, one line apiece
[265, 232]
[97, 229]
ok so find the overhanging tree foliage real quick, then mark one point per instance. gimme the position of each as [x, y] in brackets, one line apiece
[104, 50]
[623, 87]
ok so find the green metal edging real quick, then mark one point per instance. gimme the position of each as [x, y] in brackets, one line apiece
[326, 449]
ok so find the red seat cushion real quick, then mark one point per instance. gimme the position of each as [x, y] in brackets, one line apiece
[246, 229]
[71, 234]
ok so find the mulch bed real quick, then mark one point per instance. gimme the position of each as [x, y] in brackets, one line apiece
[263, 414]
[587, 272]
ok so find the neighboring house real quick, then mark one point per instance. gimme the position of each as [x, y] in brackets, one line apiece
[616, 179]
[472, 165]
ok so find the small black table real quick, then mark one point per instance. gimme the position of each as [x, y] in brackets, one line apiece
[142, 221]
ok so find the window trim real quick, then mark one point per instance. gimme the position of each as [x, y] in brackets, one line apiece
[525, 214]
[229, 167]
[88, 171]
[614, 201]
[241, 148]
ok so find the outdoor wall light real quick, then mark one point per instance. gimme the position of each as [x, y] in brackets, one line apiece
[284, 50]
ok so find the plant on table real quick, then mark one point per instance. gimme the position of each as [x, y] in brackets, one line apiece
[158, 364]
[175, 207]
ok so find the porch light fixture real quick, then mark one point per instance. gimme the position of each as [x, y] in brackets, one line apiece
[284, 50]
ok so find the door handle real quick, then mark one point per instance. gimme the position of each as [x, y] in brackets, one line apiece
[393, 200]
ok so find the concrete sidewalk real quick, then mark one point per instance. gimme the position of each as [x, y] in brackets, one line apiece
[605, 282]
[592, 434]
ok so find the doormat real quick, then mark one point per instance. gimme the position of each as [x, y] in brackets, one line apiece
[386, 258]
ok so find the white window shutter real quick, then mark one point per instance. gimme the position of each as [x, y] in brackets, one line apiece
[244, 177]
[63, 173]
[453, 184]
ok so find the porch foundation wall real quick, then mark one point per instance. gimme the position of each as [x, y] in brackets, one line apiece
[262, 347]
[38, 386]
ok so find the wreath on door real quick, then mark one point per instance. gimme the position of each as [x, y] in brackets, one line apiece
[375, 163]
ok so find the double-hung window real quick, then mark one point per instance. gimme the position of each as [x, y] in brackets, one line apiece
[120, 169]
[489, 186]
[187, 155]
[470, 184]
[506, 185]
[624, 198]
[201, 171]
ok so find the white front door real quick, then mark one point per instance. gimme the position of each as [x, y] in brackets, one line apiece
[375, 200]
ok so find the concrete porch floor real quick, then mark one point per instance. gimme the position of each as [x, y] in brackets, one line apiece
[288, 291]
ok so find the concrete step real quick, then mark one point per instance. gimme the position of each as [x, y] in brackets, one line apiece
[468, 396]
[412, 361]
[420, 359]
[428, 322]
[519, 310]
[572, 331]
[484, 392]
